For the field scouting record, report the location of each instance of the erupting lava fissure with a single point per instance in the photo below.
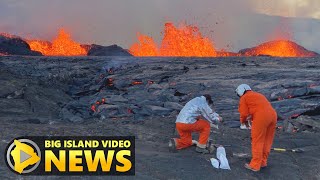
(63, 45)
(182, 41)
(185, 41)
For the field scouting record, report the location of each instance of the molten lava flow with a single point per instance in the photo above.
(93, 108)
(63, 45)
(137, 82)
(184, 41)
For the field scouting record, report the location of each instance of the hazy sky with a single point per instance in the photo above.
(289, 8)
(229, 23)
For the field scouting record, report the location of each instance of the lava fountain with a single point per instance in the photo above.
(62, 45)
(183, 41)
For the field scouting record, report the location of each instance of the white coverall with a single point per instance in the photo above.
(194, 108)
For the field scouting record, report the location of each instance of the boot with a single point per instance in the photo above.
(172, 145)
(202, 149)
(250, 168)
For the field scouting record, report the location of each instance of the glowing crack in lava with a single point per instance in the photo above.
(279, 48)
(185, 41)
(63, 45)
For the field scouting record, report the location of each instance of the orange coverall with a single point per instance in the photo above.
(185, 130)
(264, 120)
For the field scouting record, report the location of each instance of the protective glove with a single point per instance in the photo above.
(249, 118)
(244, 126)
(247, 124)
(214, 126)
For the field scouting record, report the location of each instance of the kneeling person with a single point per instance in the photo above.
(196, 116)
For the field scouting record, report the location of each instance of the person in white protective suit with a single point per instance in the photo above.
(196, 116)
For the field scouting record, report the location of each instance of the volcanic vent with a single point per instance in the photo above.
(279, 48)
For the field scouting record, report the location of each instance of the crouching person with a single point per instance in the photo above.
(196, 116)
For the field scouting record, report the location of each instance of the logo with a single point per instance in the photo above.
(72, 155)
(23, 156)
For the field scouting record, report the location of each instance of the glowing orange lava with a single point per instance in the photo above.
(145, 47)
(185, 41)
(279, 48)
(63, 45)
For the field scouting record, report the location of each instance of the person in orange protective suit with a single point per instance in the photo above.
(264, 119)
(196, 116)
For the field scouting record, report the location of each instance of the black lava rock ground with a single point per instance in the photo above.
(53, 95)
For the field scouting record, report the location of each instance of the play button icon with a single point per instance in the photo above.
(25, 154)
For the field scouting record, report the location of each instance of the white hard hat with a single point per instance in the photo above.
(241, 89)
